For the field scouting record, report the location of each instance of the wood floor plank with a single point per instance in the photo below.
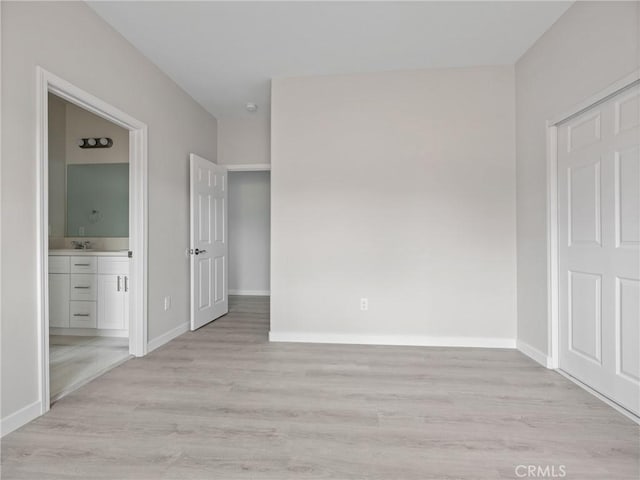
(224, 403)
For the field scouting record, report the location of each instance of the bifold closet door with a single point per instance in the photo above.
(599, 243)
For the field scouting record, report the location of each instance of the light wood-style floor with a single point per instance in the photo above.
(74, 360)
(223, 403)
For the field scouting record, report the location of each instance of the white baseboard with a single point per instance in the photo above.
(534, 354)
(17, 419)
(402, 340)
(256, 293)
(88, 332)
(167, 337)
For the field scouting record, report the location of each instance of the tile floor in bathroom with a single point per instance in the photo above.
(75, 360)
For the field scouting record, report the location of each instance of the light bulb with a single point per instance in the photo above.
(92, 142)
(104, 141)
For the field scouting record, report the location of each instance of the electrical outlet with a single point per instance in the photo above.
(364, 304)
(167, 303)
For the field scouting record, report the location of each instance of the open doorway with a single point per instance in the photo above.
(92, 236)
(249, 239)
(88, 245)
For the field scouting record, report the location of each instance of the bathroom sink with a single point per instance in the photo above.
(88, 251)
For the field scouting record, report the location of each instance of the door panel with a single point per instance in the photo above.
(219, 286)
(204, 274)
(627, 219)
(627, 111)
(208, 250)
(628, 312)
(598, 246)
(584, 204)
(584, 132)
(585, 323)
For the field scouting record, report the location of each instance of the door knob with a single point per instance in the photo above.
(198, 251)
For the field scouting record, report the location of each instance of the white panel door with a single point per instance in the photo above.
(208, 241)
(599, 247)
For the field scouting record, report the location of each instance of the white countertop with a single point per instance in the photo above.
(89, 253)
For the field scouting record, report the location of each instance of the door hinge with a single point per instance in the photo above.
(130, 254)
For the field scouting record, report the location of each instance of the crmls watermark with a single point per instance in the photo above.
(541, 471)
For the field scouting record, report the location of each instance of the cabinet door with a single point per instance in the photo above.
(113, 308)
(59, 300)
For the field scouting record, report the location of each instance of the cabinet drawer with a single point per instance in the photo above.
(83, 265)
(113, 266)
(82, 314)
(58, 264)
(83, 287)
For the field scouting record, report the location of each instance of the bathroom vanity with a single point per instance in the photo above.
(89, 292)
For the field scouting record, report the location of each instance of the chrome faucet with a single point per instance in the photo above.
(81, 245)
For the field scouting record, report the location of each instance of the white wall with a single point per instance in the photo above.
(83, 124)
(398, 187)
(244, 139)
(65, 39)
(67, 124)
(249, 233)
(57, 165)
(591, 46)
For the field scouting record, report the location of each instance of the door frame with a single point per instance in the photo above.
(248, 167)
(47, 82)
(553, 274)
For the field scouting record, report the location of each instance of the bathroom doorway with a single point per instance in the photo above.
(88, 182)
(92, 231)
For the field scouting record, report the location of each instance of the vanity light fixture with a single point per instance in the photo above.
(102, 142)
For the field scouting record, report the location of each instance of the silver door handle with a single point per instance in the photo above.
(82, 287)
(80, 314)
(126, 284)
(118, 283)
(198, 251)
(81, 264)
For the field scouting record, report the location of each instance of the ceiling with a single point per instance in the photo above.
(225, 53)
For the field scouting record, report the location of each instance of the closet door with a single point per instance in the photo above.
(599, 240)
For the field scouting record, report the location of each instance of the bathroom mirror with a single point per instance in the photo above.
(97, 200)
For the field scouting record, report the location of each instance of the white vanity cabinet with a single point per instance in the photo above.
(59, 292)
(113, 293)
(59, 300)
(89, 292)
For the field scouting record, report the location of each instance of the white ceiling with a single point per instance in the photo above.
(224, 53)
